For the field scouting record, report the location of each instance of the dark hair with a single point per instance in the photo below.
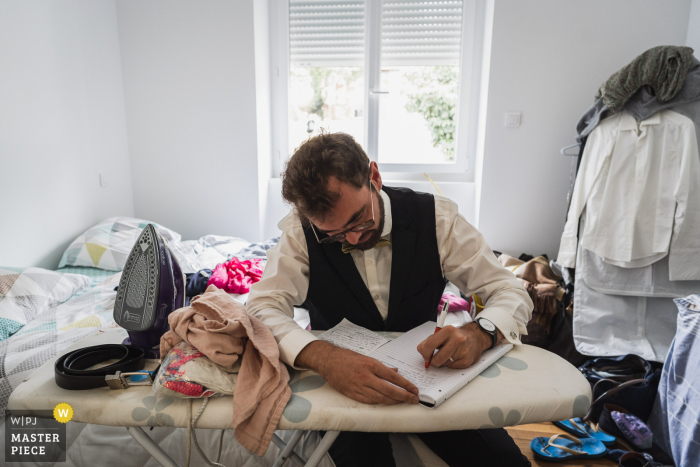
(305, 178)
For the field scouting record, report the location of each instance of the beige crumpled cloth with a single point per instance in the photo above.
(542, 286)
(220, 328)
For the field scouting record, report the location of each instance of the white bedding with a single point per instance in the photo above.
(210, 250)
(52, 331)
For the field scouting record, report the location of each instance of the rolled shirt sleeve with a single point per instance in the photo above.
(470, 264)
(284, 284)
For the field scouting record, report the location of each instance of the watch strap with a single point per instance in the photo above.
(493, 334)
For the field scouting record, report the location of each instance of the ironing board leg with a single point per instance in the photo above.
(288, 449)
(296, 458)
(322, 448)
(149, 445)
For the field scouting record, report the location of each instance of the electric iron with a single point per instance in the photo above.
(151, 287)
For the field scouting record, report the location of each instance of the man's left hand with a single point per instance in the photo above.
(464, 345)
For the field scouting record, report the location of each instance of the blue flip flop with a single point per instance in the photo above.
(581, 429)
(561, 447)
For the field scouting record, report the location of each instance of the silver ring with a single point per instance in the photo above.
(451, 360)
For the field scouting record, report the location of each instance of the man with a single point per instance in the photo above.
(380, 257)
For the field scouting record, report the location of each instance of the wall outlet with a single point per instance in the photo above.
(104, 180)
(512, 119)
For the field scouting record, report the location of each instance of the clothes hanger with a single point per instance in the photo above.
(564, 153)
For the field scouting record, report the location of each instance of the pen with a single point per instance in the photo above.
(440, 324)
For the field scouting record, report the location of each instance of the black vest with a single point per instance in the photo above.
(336, 289)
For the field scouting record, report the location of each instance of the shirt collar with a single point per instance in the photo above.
(387, 213)
(628, 122)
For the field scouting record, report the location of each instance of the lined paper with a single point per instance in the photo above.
(353, 337)
(402, 353)
(436, 384)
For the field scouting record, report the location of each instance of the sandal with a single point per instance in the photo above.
(569, 447)
(630, 432)
(581, 429)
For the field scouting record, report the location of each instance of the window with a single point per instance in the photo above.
(395, 74)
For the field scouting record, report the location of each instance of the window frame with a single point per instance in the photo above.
(471, 57)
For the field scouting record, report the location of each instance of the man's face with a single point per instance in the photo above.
(354, 208)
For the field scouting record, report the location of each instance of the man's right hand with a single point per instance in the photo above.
(361, 378)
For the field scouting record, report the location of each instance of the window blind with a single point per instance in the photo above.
(416, 32)
(326, 32)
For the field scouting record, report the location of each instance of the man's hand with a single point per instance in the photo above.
(361, 378)
(464, 344)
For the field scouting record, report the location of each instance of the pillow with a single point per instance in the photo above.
(108, 244)
(25, 294)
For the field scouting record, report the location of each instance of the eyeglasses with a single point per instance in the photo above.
(358, 228)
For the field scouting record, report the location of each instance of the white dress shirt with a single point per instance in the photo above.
(466, 260)
(640, 185)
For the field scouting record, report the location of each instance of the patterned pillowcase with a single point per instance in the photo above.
(108, 244)
(25, 294)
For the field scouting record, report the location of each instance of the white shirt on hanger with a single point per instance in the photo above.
(640, 184)
(466, 260)
(619, 311)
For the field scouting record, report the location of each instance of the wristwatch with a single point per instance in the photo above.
(489, 328)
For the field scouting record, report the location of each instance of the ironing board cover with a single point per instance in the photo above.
(528, 385)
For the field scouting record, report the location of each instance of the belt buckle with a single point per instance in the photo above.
(120, 380)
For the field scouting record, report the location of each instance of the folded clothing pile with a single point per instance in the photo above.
(219, 327)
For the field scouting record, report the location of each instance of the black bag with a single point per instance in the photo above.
(628, 381)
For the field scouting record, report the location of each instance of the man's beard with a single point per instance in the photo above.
(375, 234)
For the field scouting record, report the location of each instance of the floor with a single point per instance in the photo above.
(523, 434)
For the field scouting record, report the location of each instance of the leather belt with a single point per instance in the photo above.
(71, 369)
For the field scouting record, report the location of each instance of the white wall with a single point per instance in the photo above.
(61, 124)
(189, 84)
(693, 37)
(548, 59)
(261, 13)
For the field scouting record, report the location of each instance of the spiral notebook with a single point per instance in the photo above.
(435, 385)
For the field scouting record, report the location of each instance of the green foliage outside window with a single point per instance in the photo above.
(436, 100)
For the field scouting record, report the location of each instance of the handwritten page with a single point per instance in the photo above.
(352, 337)
(435, 384)
(402, 353)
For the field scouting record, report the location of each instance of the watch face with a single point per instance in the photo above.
(487, 325)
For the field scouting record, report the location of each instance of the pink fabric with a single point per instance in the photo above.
(456, 303)
(220, 328)
(236, 276)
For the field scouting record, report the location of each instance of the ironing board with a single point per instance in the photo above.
(527, 385)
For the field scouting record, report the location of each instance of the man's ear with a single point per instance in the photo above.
(375, 175)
